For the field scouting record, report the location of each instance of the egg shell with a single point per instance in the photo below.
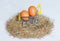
(24, 15)
(32, 11)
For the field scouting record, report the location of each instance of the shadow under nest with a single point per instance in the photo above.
(34, 28)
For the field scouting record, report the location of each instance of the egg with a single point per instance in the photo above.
(32, 11)
(24, 15)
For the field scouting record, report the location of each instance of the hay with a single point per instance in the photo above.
(40, 27)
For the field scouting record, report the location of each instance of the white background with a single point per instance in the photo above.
(9, 8)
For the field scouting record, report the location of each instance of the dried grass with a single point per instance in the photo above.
(30, 30)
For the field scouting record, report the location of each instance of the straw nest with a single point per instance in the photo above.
(34, 28)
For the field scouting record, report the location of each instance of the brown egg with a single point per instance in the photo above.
(24, 15)
(32, 11)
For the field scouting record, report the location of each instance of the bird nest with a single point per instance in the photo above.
(36, 27)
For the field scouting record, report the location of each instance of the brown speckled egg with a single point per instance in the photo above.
(32, 11)
(24, 15)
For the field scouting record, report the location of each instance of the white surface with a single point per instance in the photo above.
(9, 8)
